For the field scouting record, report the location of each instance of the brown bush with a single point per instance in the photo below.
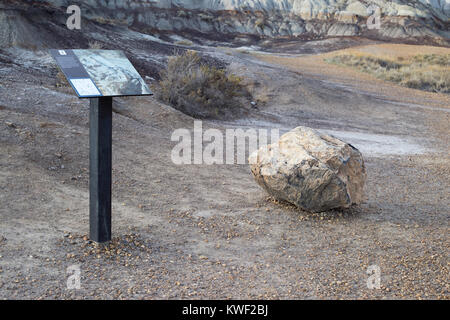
(200, 90)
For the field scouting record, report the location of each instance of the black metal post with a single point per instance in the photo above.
(100, 147)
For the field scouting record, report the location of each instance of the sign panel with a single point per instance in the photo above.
(100, 73)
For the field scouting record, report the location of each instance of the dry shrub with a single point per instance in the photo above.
(200, 90)
(425, 72)
(62, 85)
(61, 80)
(93, 44)
(260, 23)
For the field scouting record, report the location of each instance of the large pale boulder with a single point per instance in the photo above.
(314, 171)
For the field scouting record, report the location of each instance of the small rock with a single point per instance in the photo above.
(10, 124)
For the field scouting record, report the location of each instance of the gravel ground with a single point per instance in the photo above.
(209, 232)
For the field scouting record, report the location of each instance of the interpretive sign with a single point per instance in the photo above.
(100, 75)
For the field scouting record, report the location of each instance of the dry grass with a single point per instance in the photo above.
(110, 21)
(430, 72)
(50, 125)
(184, 43)
(199, 90)
(316, 67)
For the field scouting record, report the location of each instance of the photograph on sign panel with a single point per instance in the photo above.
(112, 72)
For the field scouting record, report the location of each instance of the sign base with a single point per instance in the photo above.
(100, 168)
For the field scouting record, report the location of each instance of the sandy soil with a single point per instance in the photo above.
(198, 231)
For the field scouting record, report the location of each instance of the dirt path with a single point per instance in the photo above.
(198, 231)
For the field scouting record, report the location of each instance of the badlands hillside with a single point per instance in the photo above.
(241, 21)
